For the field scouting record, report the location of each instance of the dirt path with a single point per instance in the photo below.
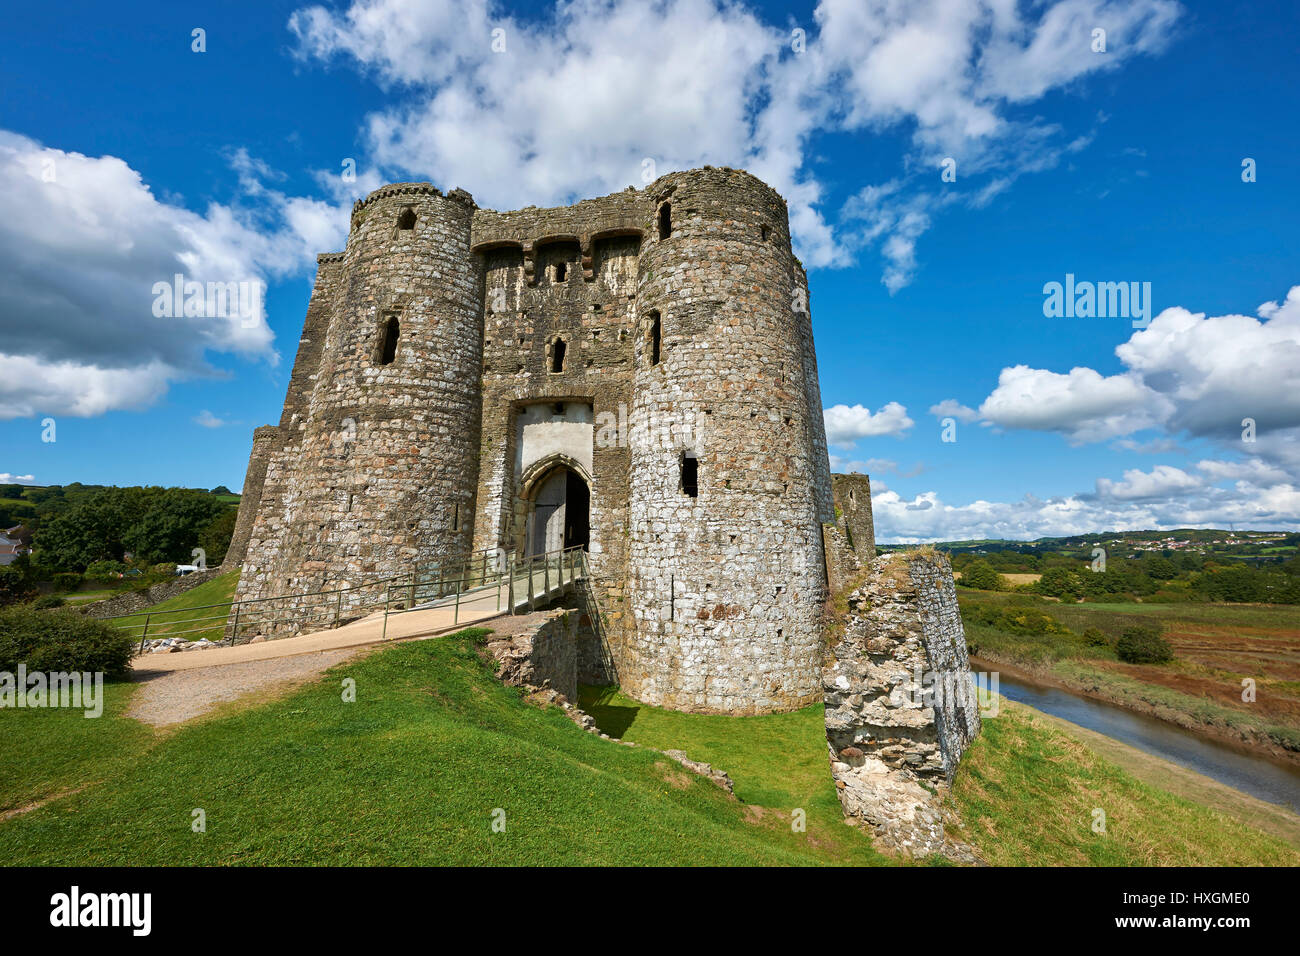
(1172, 778)
(170, 697)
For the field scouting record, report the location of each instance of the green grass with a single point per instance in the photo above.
(777, 761)
(185, 614)
(54, 750)
(412, 772)
(409, 774)
(1028, 793)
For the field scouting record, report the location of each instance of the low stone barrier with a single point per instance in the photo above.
(133, 601)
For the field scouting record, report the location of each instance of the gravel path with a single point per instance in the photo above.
(170, 697)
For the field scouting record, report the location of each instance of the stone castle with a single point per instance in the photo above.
(633, 374)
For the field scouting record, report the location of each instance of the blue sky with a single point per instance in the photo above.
(129, 156)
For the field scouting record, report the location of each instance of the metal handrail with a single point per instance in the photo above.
(409, 582)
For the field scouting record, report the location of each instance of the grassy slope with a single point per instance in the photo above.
(183, 617)
(1027, 791)
(51, 751)
(776, 761)
(411, 772)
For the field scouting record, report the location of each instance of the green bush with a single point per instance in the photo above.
(47, 602)
(106, 570)
(1143, 645)
(15, 585)
(67, 581)
(1094, 637)
(981, 575)
(62, 641)
(1014, 619)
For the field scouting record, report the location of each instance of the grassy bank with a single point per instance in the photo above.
(188, 614)
(414, 771)
(409, 774)
(1028, 792)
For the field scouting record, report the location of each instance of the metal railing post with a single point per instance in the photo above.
(234, 629)
(388, 593)
(532, 591)
(144, 632)
(510, 585)
(338, 608)
(455, 614)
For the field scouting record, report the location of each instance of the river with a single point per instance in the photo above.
(1257, 776)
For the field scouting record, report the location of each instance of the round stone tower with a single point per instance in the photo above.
(725, 564)
(391, 441)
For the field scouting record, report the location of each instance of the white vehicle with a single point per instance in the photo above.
(182, 569)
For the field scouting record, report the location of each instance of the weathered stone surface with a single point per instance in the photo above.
(894, 744)
(543, 655)
(528, 347)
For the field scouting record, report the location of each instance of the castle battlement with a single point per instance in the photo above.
(634, 374)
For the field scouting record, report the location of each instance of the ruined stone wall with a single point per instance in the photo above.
(852, 495)
(539, 651)
(384, 476)
(894, 743)
(726, 586)
(903, 621)
(266, 442)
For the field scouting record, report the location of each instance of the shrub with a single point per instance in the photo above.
(1143, 645)
(980, 574)
(62, 641)
(1094, 637)
(106, 570)
(1015, 619)
(67, 581)
(47, 602)
(14, 585)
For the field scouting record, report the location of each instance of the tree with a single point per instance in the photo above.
(170, 529)
(11, 491)
(215, 538)
(221, 490)
(1143, 645)
(980, 574)
(1060, 582)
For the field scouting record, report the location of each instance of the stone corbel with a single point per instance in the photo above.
(530, 264)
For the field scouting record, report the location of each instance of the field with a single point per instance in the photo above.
(1217, 647)
(435, 750)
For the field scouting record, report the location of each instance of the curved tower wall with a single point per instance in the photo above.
(388, 456)
(726, 587)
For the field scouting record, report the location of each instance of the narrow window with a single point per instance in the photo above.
(557, 408)
(561, 269)
(665, 220)
(455, 517)
(406, 218)
(557, 355)
(388, 344)
(690, 475)
(765, 232)
(653, 335)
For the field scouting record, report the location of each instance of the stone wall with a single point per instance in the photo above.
(133, 601)
(853, 508)
(266, 442)
(539, 653)
(726, 583)
(711, 600)
(887, 731)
